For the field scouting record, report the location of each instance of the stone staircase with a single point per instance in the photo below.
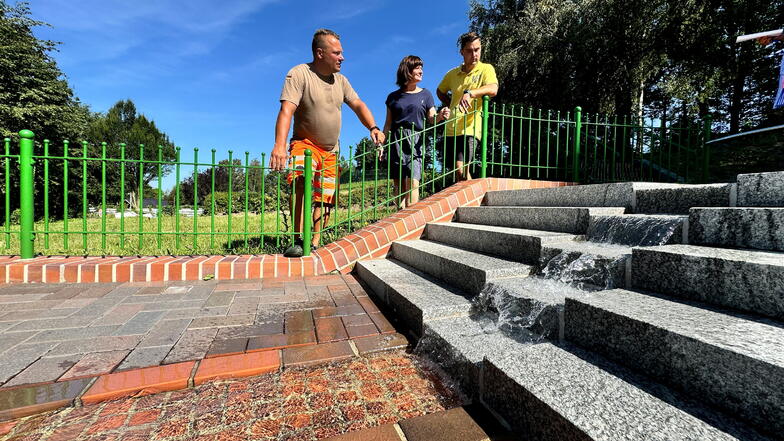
(629, 311)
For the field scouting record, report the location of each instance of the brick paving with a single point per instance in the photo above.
(56, 332)
(301, 404)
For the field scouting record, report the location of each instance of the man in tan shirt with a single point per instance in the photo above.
(313, 94)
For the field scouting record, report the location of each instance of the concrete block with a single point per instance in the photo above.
(678, 200)
(511, 243)
(758, 228)
(463, 269)
(411, 296)
(560, 393)
(747, 280)
(573, 220)
(730, 361)
(595, 195)
(459, 345)
(761, 189)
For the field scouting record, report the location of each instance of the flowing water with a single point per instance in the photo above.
(586, 271)
(635, 230)
(530, 309)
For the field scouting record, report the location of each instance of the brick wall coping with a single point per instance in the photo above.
(371, 242)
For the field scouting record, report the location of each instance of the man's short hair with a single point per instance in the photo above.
(407, 65)
(318, 39)
(467, 38)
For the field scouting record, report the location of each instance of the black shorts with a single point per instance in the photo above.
(458, 148)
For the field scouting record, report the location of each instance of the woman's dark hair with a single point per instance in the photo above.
(407, 66)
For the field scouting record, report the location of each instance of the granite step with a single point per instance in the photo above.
(761, 189)
(731, 361)
(457, 267)
(594, 195)
(679, 199)
(546, 392)
(757, 228)
(572, 220)
(586, 264)
(411, 296)
(515, 244)
(459, 345)
(638, 229)
(747, 280)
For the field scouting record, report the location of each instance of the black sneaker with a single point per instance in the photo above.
(294, 250)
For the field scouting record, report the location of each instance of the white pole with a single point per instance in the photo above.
(776, 33)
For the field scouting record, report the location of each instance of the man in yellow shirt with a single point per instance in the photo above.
(466, 84)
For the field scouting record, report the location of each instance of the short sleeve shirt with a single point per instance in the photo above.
(318, 101)
(457, 81)
(409, 109)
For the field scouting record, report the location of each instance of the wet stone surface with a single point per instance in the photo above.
(296, 404)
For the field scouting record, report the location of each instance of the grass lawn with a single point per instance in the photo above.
(267, 233)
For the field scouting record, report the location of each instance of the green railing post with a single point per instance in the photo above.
(307, 209)
(578, 125)
(706, 148)
(27, 237)
(485, 112)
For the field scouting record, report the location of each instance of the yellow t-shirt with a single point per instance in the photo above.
(458, 81)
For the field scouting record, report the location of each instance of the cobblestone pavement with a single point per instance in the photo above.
(57, 332)
(297, 404)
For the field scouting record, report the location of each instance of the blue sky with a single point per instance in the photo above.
(210, 73)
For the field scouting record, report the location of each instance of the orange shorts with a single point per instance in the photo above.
(325, 169)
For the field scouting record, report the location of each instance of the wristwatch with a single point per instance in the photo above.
(374, 128)
(468, 92)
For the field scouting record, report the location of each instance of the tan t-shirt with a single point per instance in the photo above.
(318, 101)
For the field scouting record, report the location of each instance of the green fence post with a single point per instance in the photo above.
(26, 246)
(485, 111)
(307, 209)
(706, 148)
(578, 125)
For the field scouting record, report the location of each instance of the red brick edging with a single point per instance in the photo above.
(372, 241)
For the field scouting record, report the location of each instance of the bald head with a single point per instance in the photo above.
(321, 38)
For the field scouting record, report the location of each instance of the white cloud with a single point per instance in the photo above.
(259, 63)
(346, 9)
(113, 28)
(449, 28)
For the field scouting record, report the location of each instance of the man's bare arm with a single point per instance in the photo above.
(442, 96)
(366, 118)
(282, 125)
(490, 90)
(487, 90)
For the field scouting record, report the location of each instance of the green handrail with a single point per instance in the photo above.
(520, 142)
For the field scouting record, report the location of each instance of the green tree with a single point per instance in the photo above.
(34, 95)
(123, 125)
(663, 59)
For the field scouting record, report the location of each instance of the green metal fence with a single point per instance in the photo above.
(88, 199)
(590, 148)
